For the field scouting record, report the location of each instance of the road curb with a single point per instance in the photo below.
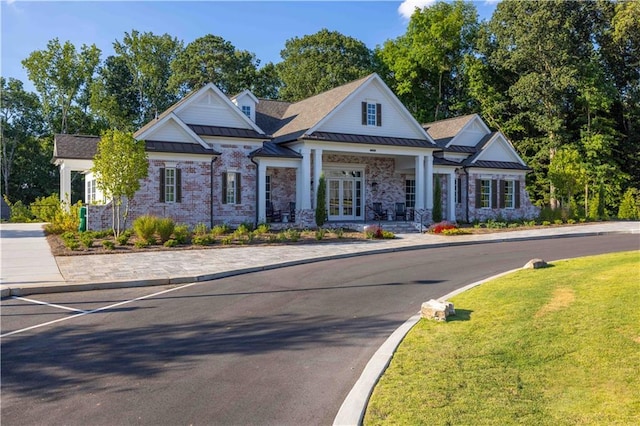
(8, 290)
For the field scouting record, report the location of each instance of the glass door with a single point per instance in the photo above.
(344, 195)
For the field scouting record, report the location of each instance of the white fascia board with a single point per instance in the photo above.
(174, 156)
(226, 100)
(246, 92)
(74, 164)
(495, 139)
(223, 140)
(173, 117)
(390, 95)
(475, 119)
(293, 163)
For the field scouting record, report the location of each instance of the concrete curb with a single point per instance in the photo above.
(24, 290)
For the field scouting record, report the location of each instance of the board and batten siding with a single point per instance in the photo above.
(170, 132)
(471, 135)
(210, 110)
(348, 118)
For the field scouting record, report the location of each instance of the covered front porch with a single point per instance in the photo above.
(364, 184)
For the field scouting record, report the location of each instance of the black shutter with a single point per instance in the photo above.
(516, 193)
(502, 194)
(224, 188)
(178, 186)
(378, 114)
(364, 113)
(459, 194)
(238, 189)
(478, 193)
(162, 185)
(494, 193)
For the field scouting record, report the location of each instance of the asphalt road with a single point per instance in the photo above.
(280, 347)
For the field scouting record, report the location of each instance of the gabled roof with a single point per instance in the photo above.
(448, 128)
(305, 114)
(269, 114)
(75, 147)
(484, 143)
(245, 92)
(270, 149)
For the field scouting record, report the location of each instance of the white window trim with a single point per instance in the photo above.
(513, 194)
(482, 180)
(169, 188)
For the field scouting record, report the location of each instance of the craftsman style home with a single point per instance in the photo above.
(215, 159)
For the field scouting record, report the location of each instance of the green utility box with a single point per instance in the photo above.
(83, 219)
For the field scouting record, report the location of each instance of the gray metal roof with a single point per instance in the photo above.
(367, 139)
(497, 165)
(270, 149)
(232, 132)
(178, 148)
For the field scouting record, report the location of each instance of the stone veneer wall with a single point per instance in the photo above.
(283, 187)
(235, 158)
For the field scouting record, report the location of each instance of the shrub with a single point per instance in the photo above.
(436, 213)
(200, 229)
(19, 212)
(170, 243)
(141, 244)
(226, 240)
(220, 230)
(202, 239)
(45, 209)
(546, 223)
(72, 244)
(145, 226)
(86, 239)
(122, 239)
(455, 231)
(320, 233)
(247, 225)
(558, 222)
(292, 234)
(339, 232)
(108, 244)
(181, 234)
(65, 220)
(571, 221)
(387, 235)
(242, 229)
(262, 229)
(630, 205)
(164, 228)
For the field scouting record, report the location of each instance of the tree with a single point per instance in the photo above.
(113, 95)
(25, 161)
(567, 174)
(148, 58)
(119, 164)
(321, 202)
(437, 200)
(321, 61)
(60, 74)
(267, 83)
(426, 63)
(212, 59)
(630, 205)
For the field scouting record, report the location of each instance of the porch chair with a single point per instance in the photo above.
(273, 215)
(378, 214)
(401, 211)
(292, 211)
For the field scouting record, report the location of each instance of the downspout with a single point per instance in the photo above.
(213, 159)
(257, 189)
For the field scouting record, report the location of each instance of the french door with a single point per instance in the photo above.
(344, 195)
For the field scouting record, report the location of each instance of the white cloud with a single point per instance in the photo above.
(407, 7)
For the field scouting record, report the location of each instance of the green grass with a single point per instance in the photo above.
(553, 346)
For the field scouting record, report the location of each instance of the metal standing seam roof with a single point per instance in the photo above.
(178, 148)
(232, 132)
(497, 165)
(270, 149)
(367, 139)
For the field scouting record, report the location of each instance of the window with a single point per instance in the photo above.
(485, 193)
(91, 191)
(246, 110)
(458, 190)
(371, 114)
(410, 192)
(267, 184)
(508, 191)
(510, 194)
(170, 185)
(231, 188)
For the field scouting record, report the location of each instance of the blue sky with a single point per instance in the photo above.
(261, 27)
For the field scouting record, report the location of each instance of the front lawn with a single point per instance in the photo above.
(553, 346)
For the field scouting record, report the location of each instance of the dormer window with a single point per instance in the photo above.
(371, 114)
(246, 110)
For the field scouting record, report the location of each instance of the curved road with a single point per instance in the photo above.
(281, 347)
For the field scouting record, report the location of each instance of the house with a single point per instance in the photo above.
(215, 159)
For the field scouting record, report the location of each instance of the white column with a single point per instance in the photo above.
(65, 185)
(317, 171)
(429, 179)
(420, 184)
(305, 181)
(262, 192)
(451, 199)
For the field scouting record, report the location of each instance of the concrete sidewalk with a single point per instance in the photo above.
(29, 268)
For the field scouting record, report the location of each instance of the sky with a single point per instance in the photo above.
(261, 27)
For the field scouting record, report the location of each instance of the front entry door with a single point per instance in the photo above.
(344, 197)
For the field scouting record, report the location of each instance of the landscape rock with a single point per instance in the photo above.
(437, 310)
(536, 264)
